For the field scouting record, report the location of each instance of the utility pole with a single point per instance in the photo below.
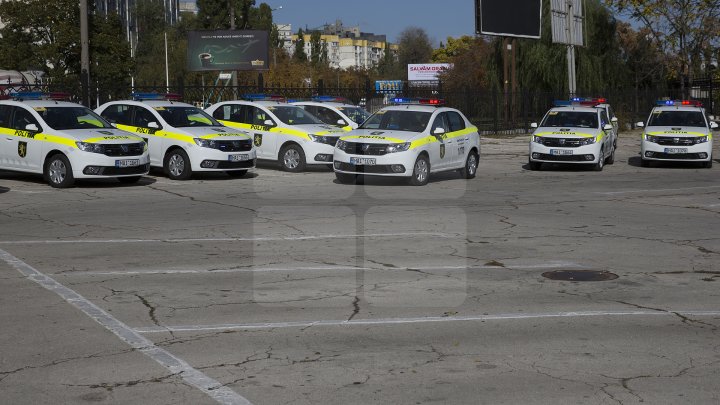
(232, 27)
(572, 81)
(84, 54)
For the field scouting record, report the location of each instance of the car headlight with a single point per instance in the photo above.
(701, 139)
(397, 147)
(328, 140)
(341, 145)
(90, 147)
(651, 138)
(587, 141)
(537, 139)
(206, 143)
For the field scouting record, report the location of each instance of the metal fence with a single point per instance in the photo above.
(490, 111)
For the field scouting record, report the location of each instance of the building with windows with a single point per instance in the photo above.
(347, 47)
(126, 10)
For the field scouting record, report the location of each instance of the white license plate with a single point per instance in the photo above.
(363, 161)
(676, 150)
(561, 152)
(238, 158)
(127, 163)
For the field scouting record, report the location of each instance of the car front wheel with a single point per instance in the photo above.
(421, 171)
(58, 171)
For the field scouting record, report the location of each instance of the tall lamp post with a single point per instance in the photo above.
(711, 71)
(283, 40)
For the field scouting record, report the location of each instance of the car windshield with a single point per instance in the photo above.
(184, 116)
(357, 114)
(398, 120)
(573, 119)
(677, 119)
(293, 115)
(71, 118)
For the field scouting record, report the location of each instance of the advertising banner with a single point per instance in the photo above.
(427, 72)
(227, 50)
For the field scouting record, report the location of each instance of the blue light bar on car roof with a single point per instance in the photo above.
(156, 96)
(418, 101)
(38, 95)
(694, 103)
(328, 99)
(562, 103)
(263, 97)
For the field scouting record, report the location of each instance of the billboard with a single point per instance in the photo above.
(426, 71)
(518, 18)
(388, 86)
(227, 50)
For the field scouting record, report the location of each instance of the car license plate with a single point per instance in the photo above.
(676, 150)
(362, 161)
(127, 163)
(561, 152)
(238, 158)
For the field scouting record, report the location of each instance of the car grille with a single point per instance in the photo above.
(562, 158)
(561, 142)
(124, 149)
(234, 146)
(374, 169)
(669, 140)
(371, 149)
(118, 171)
(678, 156)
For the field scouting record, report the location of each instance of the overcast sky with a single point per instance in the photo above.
(439, 18)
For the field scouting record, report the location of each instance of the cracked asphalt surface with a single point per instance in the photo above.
(291, 288)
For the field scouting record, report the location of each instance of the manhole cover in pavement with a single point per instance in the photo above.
(580, 275)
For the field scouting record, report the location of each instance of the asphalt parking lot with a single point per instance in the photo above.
(291, 288)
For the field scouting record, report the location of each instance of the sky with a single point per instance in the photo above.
(439, 18)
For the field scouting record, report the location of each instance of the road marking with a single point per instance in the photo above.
(554, 265)
(175, 365)
(248, 239)
(395, 321)
(656, 190)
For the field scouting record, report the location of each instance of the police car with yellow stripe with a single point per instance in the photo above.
(182, 138)
(66, 141)
(412, 139)
(336, 111)
(281, 131)
(575, 132)
(677, 130)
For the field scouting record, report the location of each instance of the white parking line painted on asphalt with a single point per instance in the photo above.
(248, 239)
(654, 190)
(396, 321)
(554, 265)
(175, 365)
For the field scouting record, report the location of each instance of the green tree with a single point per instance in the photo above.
(389, 68)
(299, 54)
(261, 17)
(49, 31)
(212, 14)
(685, 31)
(454, 47)
(318, 49)
(111, 64)
(414, 46)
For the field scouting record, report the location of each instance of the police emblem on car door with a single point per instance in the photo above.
(258, 140)
(22, 149)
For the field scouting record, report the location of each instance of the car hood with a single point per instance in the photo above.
(570, 132)
(227, 133)
(380, 136)
(319, 129)
(102, 135)
(677, 131)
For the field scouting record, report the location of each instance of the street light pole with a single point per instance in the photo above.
(84, 54)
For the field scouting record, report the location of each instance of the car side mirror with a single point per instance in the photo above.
(640, 124)
(438, 131)
(341, 122)
(608, 127)
(32, 128)
(153, 124)
(533, 125)
(269, 123)
(614, 119)
(714, 125)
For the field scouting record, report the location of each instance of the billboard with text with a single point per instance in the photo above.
(228, 50)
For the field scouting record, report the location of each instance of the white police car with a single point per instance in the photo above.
(413, 139)
(677, 130)
(281, 131)
(335, 111)
(182, 138)
(602, 102)
(573, 132)
(66, 141)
